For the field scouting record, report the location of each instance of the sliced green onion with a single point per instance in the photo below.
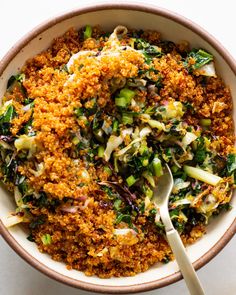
(121, 102)
(157, 167)
(131, 180)
(75, 140)
(107, 170)
(143, 149)
(46, 239)
(117, 204)
(115, 126)
(145, 162)
(127, 94)
(205, 122)
(202, 175)
(101, 151)
(174, 168)
(148, 192)
(88, 32)
(127, 119)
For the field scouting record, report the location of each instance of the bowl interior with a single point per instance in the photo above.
(108, 19)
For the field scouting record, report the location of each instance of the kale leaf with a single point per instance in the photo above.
(200, 57)
(231, 163)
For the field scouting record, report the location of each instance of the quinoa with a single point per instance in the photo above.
(78, 203)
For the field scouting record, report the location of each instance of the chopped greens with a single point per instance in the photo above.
(46, 239)
(231, 163)
(197, 58)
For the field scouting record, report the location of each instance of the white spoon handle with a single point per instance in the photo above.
(185, 265)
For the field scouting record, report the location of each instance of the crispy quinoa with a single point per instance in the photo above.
(85, 129)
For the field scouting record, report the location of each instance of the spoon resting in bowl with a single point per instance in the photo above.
(161, 198)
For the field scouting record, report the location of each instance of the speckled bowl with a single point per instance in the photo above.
(173, 27)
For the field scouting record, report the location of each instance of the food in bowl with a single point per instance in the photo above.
(85, 129)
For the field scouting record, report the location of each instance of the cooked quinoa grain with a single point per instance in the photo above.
(85, 129)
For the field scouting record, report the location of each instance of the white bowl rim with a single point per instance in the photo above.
(3, 230)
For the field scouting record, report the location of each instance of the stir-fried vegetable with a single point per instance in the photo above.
(197, 58)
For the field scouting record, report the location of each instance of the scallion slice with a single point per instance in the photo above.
(127, 119)
(115, 126)
(46, 239)
(88, 32)
(127, 94)
(131, 180)
(157, 167)
(121, 102)
(108, 170)
(101, 151)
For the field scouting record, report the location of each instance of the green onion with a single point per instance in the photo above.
(127, 94)
(145, 162)
(174, 168)
(143, 149)
(117, 204)
(121, 102)
(101, 151)
(115, 126)
(127, 119)
(131, 180)
(157, 167)
(202, 175)
(46, 239)
(148, 192)
(107, 170)
(205, 122)
(75, 140)
(87, 32)
(124, 98)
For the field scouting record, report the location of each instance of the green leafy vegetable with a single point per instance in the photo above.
(37, 222)
(149, 51)
(123, 218)
(20, 78)
(200, 153)
(5, 120)
(231, 163)
(200, 57)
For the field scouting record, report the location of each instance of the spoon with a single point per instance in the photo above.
(161, 198)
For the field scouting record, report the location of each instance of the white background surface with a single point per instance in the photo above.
(17, 18)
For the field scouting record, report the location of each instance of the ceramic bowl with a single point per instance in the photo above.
(173, 27)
